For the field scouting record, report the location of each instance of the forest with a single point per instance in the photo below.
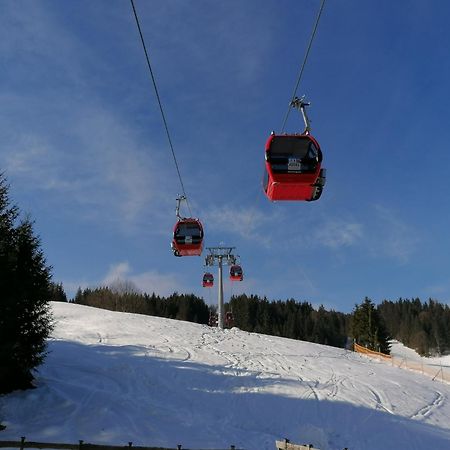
(423, 326)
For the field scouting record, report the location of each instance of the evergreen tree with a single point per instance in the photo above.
(425, 327)
(57, 293)
(368, 328)
(321, 327)
(25, 319)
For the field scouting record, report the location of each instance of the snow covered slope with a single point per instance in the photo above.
(114, 377)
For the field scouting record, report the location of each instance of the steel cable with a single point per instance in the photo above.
(160, 105)
(304, 63)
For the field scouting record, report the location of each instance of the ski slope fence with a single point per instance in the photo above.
(360, 349)
(23, 444)
(434, 370)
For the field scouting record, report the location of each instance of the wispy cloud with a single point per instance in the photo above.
(380, 232)
(391, 236)
(122, 273)
(149, 282)
(97, 164)
(440, 290)
(64, 133)
(248, 223)
(30, 155)
(41, 51)
(239, 54)
(116, 272)
(339, 233)
(121, 166)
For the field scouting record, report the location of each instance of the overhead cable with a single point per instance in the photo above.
(160, 104)
(305, 59)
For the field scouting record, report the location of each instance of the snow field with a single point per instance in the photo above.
(115, 377)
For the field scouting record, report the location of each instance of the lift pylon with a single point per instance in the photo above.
(219, 256)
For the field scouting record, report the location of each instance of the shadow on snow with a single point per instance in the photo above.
(116, 394)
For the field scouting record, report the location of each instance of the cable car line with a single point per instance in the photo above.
(160, 105)
(294, 94)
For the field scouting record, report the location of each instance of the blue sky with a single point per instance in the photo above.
(86, 155)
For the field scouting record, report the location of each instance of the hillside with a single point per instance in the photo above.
(115, 377)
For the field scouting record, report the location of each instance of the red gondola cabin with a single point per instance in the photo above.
(208, 280)
(236, 273)
(187, 237)
(293, 168)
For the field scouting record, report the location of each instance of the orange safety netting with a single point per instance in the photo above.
(435, 371)
(366, 351)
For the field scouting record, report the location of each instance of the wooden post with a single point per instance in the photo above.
(22, 442)
(439, 371)
(80, 444)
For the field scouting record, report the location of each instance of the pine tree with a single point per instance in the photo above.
(25, 320)
(368, 328)
(320, 333)
(57, 293)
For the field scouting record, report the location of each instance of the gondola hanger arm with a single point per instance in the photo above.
(177, 209)
(300, 104)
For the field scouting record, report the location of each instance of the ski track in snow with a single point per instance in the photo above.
(429, 409)
(116, 377)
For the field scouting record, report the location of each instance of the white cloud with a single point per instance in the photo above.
(392, 236)
(248, 223)
(44, 52)
(149, 282)
(116, 272)
(123, 174)
(161, 284)
(381, 233)
(94, 166)
(63, 130)
(240, 54)
(339, 233)
(32, 155)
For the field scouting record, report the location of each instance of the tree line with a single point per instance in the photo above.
(291, 319)
(186, 307)
(423, 326)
